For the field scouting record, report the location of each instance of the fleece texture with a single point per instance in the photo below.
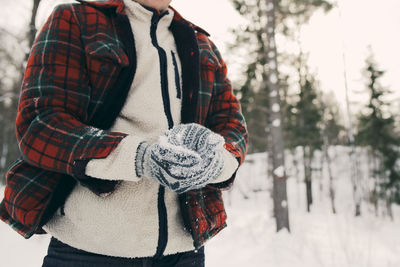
(125, 224)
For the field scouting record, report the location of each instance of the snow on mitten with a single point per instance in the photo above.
(213, 166)
(174, 167)
(195, 137)
(206, 143)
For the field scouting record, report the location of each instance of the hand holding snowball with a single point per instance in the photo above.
(186, 157)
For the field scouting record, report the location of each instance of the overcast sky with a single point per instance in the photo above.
(363, 23)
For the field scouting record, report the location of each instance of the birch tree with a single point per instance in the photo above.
(276, 146)
(333, 134)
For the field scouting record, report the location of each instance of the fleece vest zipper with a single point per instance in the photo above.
(162, 210)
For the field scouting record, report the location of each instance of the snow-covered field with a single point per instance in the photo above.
(317, 239)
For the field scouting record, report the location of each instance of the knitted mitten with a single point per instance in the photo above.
(206, 143)
(195, 137)
(177, 168)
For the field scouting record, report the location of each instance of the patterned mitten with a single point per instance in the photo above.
(206, 143)
(213, 165)
(175, 167)
(195, 137)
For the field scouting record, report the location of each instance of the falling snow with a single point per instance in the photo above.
(280, 171)
(273, 93)
(270, 6)
(271, 54)
(272, 45)
(276, 123)
(276, 107)
(318, 238)
(273, 78)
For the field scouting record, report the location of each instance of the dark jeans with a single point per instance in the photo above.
(62, 255)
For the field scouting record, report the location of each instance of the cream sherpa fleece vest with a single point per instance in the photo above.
(126, 223)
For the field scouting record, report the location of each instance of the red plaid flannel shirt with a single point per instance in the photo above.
(74, 62)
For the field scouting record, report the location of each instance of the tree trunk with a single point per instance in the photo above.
(377, 181)
(389, 205)
(356, 182)
(307, 176)
(276, 148)
(297, 174)
(372, 191)
(355, 175)
(328, 165)
(320, 178)
(32, 26)
(350, 134)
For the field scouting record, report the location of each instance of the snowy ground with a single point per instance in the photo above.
(318, 239)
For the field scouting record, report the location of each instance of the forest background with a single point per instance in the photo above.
(319, 87)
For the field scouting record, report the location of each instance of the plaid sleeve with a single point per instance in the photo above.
(54, 99)
(225, 116)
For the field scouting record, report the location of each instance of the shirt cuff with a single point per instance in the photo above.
(119, 164)
(230, 166)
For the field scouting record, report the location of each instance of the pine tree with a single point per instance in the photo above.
(304, 129)
(262, 78)
(251, 43)
(376, 130)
